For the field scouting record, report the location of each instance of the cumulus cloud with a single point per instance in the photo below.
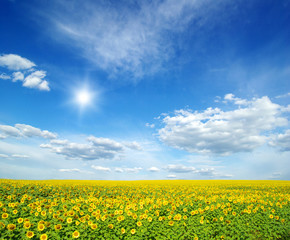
(281, 141)
(102, 169)
(19, 156)
(128, 170)
(24, 130)
(179, 168)
(209, 172)
(30, 131)
(214, 131)
(153, 169)
(150, 125)
(106, 143)
(276, 175)
(4, 76)
(17, 76)
(3, 155)
(70, 170)
(119, 170)
(133, 145)
(9, 131)
(15, 62)
(35, 78)
(171, 176)
(95, 148)
(127, 36)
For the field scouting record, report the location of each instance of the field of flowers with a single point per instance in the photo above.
(144, 209)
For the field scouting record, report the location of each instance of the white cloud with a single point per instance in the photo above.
(208, 172)
(121, 37)
(17, 76)
(15, 62)
(153, 169)
(119, 170)
(214, 131)
(276, 175)
(128, 170)
(96, 148)
(99, 168)
(29, 131)
(4, 76)
(238, 101)
(9, 131)
(35, 80)
(106, 144)
(19, 156)
(3, 155)
(281, 141)
(59, 142)
(150, 125)
(171, 176)
(70, 170)
(23, 130)
(179, 168)
(284, 95)
(132, 170)
(133, 145)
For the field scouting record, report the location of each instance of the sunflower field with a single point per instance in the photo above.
(173, 209)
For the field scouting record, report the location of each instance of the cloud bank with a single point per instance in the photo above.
(214, 131)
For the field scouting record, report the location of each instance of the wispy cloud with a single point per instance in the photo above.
(135, 37)
(214, 131)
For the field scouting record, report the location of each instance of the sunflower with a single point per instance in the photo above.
(111, 226)
(20, 220)
(5, 215)
(94, 226)
(171, 223)
(40, 227)
(43, 237)
(57, 227)
(133, 231)
(69, 220)
(76, 234)
(30, 234)
(11, 227)
(139, 224)
(123, 230)
(27, 225)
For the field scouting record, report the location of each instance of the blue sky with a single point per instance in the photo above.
(129, 90)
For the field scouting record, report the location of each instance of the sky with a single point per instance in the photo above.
(136, 90)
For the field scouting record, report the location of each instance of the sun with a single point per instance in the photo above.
(83, 97)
